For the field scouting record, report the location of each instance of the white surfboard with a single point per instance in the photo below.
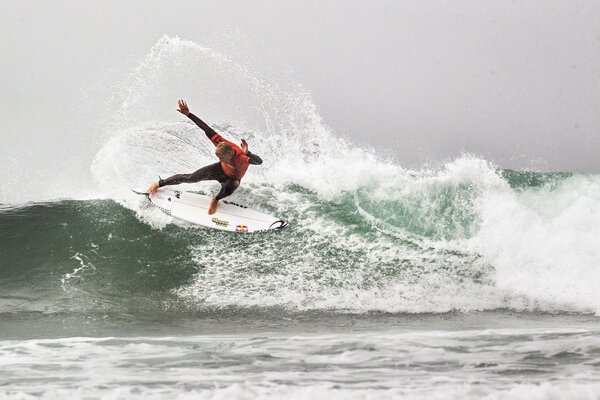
(232, 217)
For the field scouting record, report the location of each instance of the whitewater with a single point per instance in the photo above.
(454, 280)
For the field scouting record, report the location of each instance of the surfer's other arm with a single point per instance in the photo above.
(254, 158)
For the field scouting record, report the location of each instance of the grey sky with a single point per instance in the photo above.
(515, 82)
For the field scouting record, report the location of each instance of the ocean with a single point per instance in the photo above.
(455, 280)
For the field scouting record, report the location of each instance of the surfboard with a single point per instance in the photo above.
(193, 208)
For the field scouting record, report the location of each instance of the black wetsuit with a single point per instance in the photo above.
(212, 172)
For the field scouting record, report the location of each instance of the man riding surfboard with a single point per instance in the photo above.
(231, 168)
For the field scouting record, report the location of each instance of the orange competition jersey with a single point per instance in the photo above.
(237, 168)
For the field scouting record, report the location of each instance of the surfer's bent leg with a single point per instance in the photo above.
(227, 187)
(212, 172)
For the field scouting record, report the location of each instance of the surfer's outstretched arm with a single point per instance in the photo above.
(213, 136)
(183, 108)
(210, 132)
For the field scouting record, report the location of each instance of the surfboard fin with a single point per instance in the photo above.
(282, 224)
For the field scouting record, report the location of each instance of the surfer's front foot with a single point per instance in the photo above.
(153, 187)
(213, 205)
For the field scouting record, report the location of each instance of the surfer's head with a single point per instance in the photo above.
(225, 152)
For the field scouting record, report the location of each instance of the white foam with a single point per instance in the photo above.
(472, 364)
(543, 242)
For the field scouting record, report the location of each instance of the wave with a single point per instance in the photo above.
(438, 243)
(366, 235)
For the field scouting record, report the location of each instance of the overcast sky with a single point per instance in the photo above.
(514, 82)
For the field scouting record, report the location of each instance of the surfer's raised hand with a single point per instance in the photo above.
(244, 146)
(183, 108)
(153, 187)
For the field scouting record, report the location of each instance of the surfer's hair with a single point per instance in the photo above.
(223, 149)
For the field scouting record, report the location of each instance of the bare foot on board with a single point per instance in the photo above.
(213, 206)
(153, 187)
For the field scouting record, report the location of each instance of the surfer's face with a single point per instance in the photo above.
(227, 157)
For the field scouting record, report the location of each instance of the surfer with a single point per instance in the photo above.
(231, 168)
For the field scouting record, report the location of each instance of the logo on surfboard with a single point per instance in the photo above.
(241, 228)
(220, 222)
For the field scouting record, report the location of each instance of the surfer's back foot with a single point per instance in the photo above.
(213, 205)
(153, 187)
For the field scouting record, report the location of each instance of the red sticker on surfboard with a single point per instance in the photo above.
(241, 228)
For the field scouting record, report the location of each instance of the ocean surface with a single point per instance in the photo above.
(455, 280)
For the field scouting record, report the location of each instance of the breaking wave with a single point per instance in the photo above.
(365, 235)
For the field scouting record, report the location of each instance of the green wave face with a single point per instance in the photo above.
(430, 247)
(88, 255)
